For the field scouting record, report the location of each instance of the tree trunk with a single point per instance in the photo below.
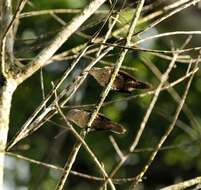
(7, 85)
(6, 93)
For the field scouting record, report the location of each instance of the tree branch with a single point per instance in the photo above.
(43, 57)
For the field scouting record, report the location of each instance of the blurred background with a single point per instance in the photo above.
(178, 161)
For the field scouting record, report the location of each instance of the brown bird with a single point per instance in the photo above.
(81, 119)
(124, 82)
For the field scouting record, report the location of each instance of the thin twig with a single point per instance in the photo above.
(71, 159)
(116, 147)
(167, 133)
(32, 125)
(42, 86)
(166, 34)
(95, 178)
(175, 96)
(146, 117)
(151, 16)
(184, 184)
(61, 37)
(117, 66)
(182, 7)
(80, 141)
(151, 50)
(69, 92)
(118, 63)
(78, 144)
(172, 84)
(57, 11)
(6, 32)
(163, 79)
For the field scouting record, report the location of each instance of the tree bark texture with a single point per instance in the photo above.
(6, 93)
(7, 83)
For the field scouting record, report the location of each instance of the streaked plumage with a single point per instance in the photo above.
(81, 119)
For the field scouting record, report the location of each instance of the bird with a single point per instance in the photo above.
(100, 123)
(124, 82)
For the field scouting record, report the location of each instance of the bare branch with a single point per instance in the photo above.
(56, 43)
(184, 184)
(167, 133)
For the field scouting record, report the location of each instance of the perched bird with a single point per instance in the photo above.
(124, 82)
(81, 119)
